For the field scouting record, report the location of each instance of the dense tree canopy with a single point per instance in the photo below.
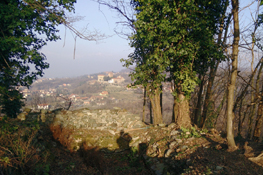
(175, 38)
(25, 27)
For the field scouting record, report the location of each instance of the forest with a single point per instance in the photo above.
(210, 58)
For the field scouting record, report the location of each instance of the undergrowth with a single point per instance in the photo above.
(20, 151)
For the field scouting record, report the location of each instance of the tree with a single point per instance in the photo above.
(231, 86)
(25, 27)
(174, 37)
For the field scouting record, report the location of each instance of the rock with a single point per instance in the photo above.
(168, 152)
(172, 126)
(174, 132)
(27, 110)
(219, 168)
(111, 131)
(138, 124)
(54, 144)
(178, 140)
(173, 145)
(187, 133)
(22, 116)
(162, 125)
(114, 125)
(184, 147)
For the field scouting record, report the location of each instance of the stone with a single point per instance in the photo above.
(162, 125)
(179, 140)
(187, 133)
(173, 145)
(27, 110)
(22, 116)
(183, 147)
(219, 168)
(111, 131)
(172, 126)
(138, 124)
(114, 125)
(174, 132)
(168, 152)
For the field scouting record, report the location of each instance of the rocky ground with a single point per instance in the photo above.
(168, 151)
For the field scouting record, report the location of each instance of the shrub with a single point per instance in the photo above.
(19, 150)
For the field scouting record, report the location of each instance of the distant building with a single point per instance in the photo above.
(86, 102)
(110, 74)
(117, 80)
(104, 93)
(101, 77)
(43, 106)
(101, 103)
(92, 81)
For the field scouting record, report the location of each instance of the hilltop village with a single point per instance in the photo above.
(105, 90)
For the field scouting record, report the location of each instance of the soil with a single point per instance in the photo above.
(205, 155)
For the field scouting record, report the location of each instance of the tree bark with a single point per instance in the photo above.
(157, 111)
(259, 118)
(151, 113)
(182, 119)
(213, 69)
(259, 122)
(198, 109)
(144, 104)
(181, 109)
(233, 76)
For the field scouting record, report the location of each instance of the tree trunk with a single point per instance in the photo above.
(259, 122)
(259, 119)
(151, 113)
(213, 68)
(198, 108)
(181, 111)
(157, 111)
(233, 76)
(144, 104)
(161, 99)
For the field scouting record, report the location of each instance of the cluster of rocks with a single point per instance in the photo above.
(98, 119)
(118, 130)
(115, 119)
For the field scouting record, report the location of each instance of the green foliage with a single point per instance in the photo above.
(25, 27)
(133, 156)
(42, 169)
(191, 132)
(10, 98)
(19, 146)
(174, 37)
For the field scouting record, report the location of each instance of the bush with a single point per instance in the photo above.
(20, 151)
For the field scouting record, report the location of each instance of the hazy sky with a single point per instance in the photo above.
(92, 57)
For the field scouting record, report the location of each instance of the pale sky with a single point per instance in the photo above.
(94, 57)
(91, 57)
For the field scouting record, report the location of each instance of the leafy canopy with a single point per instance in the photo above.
(174, 37)
(25, 27)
